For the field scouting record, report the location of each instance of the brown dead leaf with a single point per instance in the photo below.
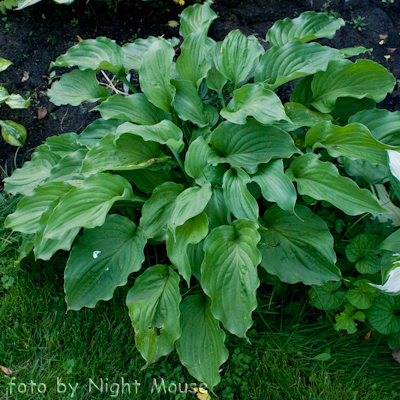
(42, 111)
(6, 370)
(396, 355)
(368, 335)
(25, 76)
(391, 49)
(384, 36)
(79, 38)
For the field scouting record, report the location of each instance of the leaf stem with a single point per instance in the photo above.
(186, 131)
(221, 99)
(127, 83)
(178, 158)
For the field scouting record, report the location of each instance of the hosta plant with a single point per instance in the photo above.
(205, 162)
(12, 132)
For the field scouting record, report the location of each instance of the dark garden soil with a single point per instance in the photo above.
(32, 38)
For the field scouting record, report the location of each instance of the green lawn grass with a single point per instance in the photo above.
(40, 343)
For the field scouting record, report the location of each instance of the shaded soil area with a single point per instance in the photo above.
(32, 38)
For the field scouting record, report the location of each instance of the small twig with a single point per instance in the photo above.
(62, 120)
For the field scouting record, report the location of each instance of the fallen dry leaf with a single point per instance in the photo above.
(173, 24)
(79, 38)
(384, 36)
(391, 49)
(6, 370)
(25, 76)
(42, 111)
(396, 355)
(368, 335)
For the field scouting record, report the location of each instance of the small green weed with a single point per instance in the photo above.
(359, 23)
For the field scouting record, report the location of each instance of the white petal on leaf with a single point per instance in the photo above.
(394, 163)
(392, 285)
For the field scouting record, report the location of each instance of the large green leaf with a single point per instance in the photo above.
(353, 141)
(76, 87)
(327, 297)
(196, 159)
(64, 144)
(33, 173)
(192, 64)
(365, 251)
(13, 133)
(383, 314)
(188, 104)
(254, 101)
(192, 18)
(165, 132)
(298, 250)
(392, 242)
(157, 211)
(191, 232)
(293, 60)
(127, 152)
(45, 248)
(345, 107)
(133, 52)
(237, 197)
(229, 274)
(93, 54)
(372, 173)
(29, 210)
(201, 347)
(69, 169)
(249, 145)
(321, 181)
(153, 305)
(384, 125)
(237, 56)
(97, 130)
(102, 260)
(308, 26)
(155, 74)
(362, 295)
(275, 185)
(302, 92)
(147, 180)
(88, 204)
(190, 203)
(134, 108)
(343, 78)
(301, 116)
(216, 210)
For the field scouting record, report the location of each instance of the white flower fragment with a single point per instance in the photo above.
(394, 163)
(392, 285)
(96, 253)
